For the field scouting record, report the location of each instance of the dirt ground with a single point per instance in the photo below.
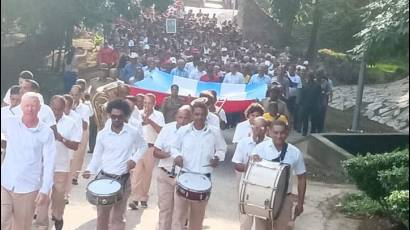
(222, 211)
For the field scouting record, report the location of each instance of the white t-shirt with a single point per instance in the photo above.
(234, 78)
(164, 141)
(294, 157)
(69, 130)
(244, 150)
(150, 135)
(242, 130)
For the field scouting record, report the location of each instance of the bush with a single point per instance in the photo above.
(358, 204)
(395, 179)
(398, 204)
(364, 171)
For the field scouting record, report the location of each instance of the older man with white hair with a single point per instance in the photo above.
(28, 168)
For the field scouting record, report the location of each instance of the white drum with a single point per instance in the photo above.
(104, 192)
(263, 189)
(193, 186)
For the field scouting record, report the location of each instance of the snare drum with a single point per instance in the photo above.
(193, 186)
(263, 189)
(104, 192)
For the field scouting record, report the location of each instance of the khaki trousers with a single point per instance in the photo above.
(57, 202)
(196, 213)
(76, 164)
(166, 190)
(78, 158)
(17, 210)
(284, 220)
(113, 217)
(142, 175)
(246, 222)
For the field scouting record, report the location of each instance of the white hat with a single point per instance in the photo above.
(224, 49)
(173, 60)
(306, 63)
(133, 55)
(146, 47)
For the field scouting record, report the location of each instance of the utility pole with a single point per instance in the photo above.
(359, 95)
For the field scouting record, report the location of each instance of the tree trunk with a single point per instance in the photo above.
(312, 49)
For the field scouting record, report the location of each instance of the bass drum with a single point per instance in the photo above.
(263, 189)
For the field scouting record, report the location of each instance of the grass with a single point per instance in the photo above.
(390, 66)
(358, 204)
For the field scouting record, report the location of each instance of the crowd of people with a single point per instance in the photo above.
(207, 50)
(138, 132)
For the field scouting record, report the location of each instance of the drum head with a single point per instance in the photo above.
(194, 182)
(104, 186)
(282, 184)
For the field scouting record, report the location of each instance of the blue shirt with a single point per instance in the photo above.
(180, 73)
(257, 79)
(130, 70)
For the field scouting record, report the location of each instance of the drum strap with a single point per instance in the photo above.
(282, 154)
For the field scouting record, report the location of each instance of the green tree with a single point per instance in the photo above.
(386, 30)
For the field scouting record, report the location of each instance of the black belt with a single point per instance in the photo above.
(150, 145)
(163, 169)
(116, 177)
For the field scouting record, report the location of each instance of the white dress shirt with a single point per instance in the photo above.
(149, 132)
(164, 141)
(79, 123)
(198, 147)
(113, 150)
(29, 163)
(234, 78)
(244, 150)
(196, 74)
(69, 130)
(213, 120)
(267, 151)
(6, 111)
(242, 130)
(45, 114)
(84, 111)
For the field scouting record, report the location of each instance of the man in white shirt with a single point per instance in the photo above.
(117, 150)
(280, 151)
(14, 100)
(28, 167)
(24, 75)
(196, 145)
(198, 72)
(166, 172)
(68, 138)
(244, 129)
(152, 123)
(84, 111)
(242, 155)
(234, 77)
(79, 123)
(45, 114)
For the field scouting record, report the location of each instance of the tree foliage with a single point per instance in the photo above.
(386, 29)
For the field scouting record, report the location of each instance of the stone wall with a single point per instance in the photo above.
(385, 103)
(256, 25)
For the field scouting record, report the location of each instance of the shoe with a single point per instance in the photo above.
(53, 218)
(66, 201)
(144, 204)
(58, 224)
(74, 181)
(133, 205)
(35, 216)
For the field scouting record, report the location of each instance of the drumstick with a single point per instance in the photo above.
(85, 171)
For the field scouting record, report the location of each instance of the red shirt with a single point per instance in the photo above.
(108, 56)
(215, 78)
